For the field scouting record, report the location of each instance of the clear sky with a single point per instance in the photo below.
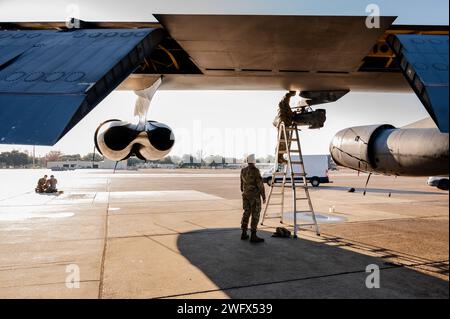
(230, 122)
(408, 11)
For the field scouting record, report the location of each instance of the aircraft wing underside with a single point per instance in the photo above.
(424, 63)
(50, 79)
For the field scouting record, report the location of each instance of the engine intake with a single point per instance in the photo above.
(118, 140)
(352, 147)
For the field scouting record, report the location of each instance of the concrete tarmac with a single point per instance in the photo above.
(175, 234)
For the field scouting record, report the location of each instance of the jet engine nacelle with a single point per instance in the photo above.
(118, 140)
(392, 151)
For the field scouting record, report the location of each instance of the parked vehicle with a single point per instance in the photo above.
(440, 182)
(316, 167)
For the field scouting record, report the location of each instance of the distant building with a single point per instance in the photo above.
(71, 165)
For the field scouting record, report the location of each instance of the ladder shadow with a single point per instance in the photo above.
(289, 268)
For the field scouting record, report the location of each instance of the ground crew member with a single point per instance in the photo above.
(51, 185)
(40, 188)
(285, 114)
(252, 189)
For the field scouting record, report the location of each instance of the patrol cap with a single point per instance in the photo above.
(251, 159)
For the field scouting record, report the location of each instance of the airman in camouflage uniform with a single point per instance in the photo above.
(285, 114)
(252, 189)
(41, 185)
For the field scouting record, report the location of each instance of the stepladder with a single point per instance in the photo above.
(289, 174)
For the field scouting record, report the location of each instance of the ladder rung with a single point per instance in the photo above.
(289, 176)
(272, 217)
(301, 198)
(294, 151)
(306, 224)
(288, 184)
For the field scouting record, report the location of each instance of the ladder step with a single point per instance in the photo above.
(289, 184)
(272, 217)
(301, 198)
(306, 224)
(297, 177)
(296, 162)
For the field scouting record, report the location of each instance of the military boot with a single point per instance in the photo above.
(244, 235)
(254, 238)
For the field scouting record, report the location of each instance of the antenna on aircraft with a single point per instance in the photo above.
(143, 101)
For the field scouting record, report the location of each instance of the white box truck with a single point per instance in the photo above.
(316, 167)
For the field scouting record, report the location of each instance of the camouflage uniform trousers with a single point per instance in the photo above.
(252, 207)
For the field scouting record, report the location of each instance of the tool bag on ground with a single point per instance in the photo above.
(282, 232)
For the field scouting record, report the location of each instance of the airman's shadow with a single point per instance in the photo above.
(297, 268)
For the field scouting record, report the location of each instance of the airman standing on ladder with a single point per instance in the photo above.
(285, 115)
(252, 189)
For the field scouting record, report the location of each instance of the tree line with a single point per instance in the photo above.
(190, 160)
(18, 159)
